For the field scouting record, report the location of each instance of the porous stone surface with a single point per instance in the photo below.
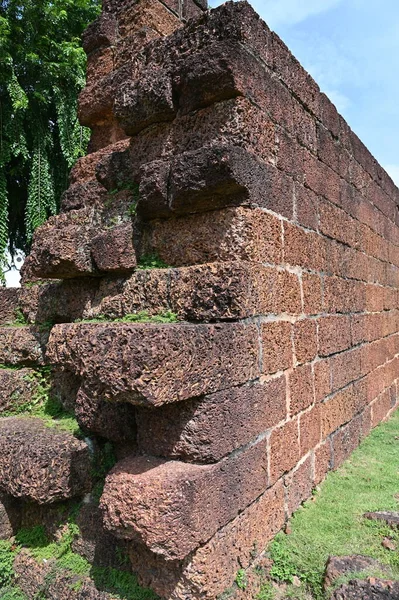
(49, 581)
(202, 180)
(40, 463)
(173, 507)
(274, 236)
(10, 516)
(206, 429)
(337, 566)
(18, 388)
(156, 364)
(211, 569)
(61, 247)
(22, 346)
(113, 251)
(371, 589)
(115, 422)
(8, 304)
(223, 235)
(391, 518)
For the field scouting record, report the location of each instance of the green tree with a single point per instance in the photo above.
(42, 70)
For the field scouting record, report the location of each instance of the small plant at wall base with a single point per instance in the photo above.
(43, 405)
(241, 579)
(151, 261)
(332, 524)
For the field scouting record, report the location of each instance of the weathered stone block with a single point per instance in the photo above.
(225, 235)
(174, 507)
(113, 250)
(156, 364)
(102, 32)
(21, 346)
(10, 516)
(8, 304)
(115, 422)
(209, 179)
(61, 247)
(215, 291)
(83, 195)
(40, 463)
(234, 290)
(17, 388)
(211, 569)
(84, 169)
(141, 103)
(58, 302)
(207, 429)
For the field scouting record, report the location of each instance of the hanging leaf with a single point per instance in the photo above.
(41, 199)
(42, 70)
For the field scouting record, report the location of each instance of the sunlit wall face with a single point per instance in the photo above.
(351, 48)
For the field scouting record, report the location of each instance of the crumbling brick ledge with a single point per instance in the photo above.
(222, 192)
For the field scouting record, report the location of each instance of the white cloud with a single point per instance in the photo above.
(393, 171)
(290, 12)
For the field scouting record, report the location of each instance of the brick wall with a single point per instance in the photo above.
(280, 232)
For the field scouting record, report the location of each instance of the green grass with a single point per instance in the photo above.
(44, 406)
(118, 582)
(12, 593)
(143, 316)
(151, 261)
(333, 523)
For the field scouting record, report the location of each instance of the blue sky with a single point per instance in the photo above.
(351, 48)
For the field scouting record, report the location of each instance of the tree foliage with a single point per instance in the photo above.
(42, 70)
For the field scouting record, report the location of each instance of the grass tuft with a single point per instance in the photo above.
(332, 523)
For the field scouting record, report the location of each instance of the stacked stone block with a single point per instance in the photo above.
(276, 237)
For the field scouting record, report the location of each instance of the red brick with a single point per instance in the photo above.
(337, 410)
(174, 507)
(301, 388)
(321, 179)
(230, 234)
(345, 368)
(312, 294)
(305, 340)
(322, 379)
(310, 429)
(322, 461)
(346, 440)
(284, 449)
(277, 346)
(335, 223)
(307, 206)
(334, 334)
(304, 249)
(381, 407)
(209, 428)
(299, 484)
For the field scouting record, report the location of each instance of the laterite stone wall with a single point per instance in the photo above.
(225, 194)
